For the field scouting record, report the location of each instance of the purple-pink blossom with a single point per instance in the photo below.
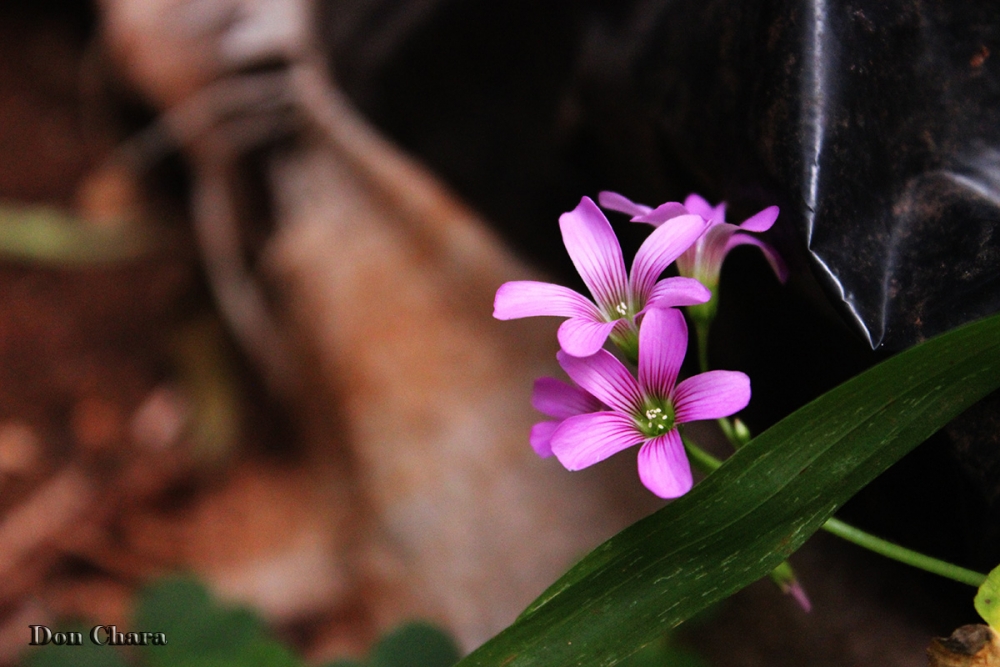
(559, 400)
(703, 260)
(619, 297)
(646, 411)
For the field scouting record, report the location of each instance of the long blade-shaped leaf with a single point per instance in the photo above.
(758, 508)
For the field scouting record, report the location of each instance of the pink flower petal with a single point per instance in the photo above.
(663, 339)
(673, 292)
(719, 212)
(660, 249)
(541, 437)
(798, 594)
(596, 253)
(616, 202)
(762, 221)
(604, 377)
(529, 298)
(696, 204)
(584, 440)
(770, 254)
(557, 399)
(662, 213)
(706, 262)
(711, 395)
(663, 466)
(582, 338)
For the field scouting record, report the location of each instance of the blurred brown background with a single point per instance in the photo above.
(244, 334)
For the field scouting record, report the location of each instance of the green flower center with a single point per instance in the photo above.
(626, 339)
(656, 418)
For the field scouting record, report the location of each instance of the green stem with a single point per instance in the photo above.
(708, 463)
(902, 554)
(701, 332)
(701, 459)
(727, 429)
(701, 328)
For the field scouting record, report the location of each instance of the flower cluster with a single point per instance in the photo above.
(621, 298)
(703, 260)
(611, 408)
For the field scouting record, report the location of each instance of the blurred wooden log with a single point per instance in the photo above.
(416, 399)
(270, 536)
(163, 46)
(391, 279)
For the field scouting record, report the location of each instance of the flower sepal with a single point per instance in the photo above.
(703, 314)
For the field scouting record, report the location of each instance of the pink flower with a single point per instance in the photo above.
(703, 260)
(620, 298)
(555, 398)
(646, 411)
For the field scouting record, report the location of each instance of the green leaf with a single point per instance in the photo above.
(663, 653)
(758, 508)
(202, 633)
(415, 644)
(987, 600)
(173, 605)
(266, 652)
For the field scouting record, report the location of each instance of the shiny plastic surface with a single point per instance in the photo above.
(877, 124)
